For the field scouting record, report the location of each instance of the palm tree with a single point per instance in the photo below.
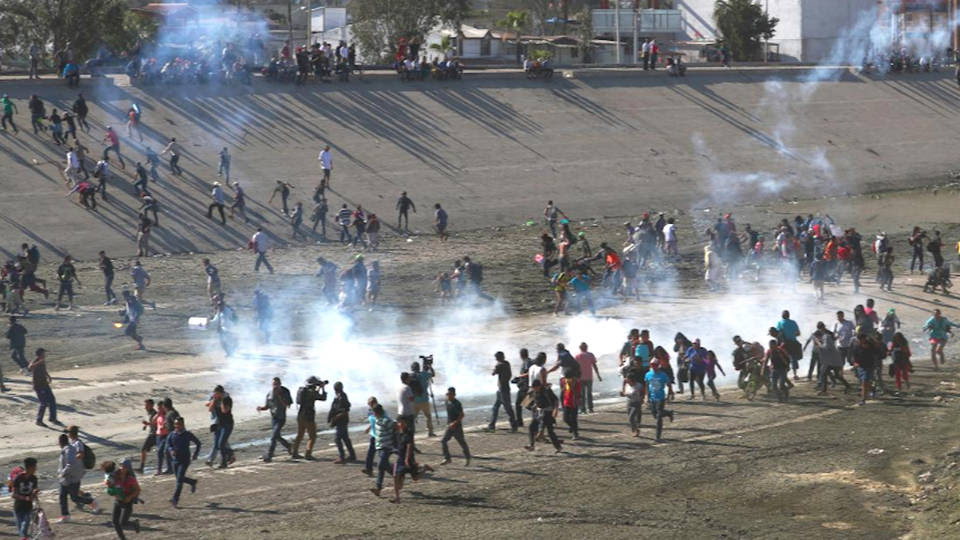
(444, 47)
(516, 20)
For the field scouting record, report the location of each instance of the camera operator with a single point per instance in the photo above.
(421, 398)
(523, 383)
(503, 373)
(312, 391)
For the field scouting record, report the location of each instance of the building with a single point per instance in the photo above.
(808, 31)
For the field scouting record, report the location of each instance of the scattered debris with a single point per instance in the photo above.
(875, 451)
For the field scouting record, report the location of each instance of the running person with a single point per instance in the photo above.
(404, 205)
(657, 380)
(937, 327)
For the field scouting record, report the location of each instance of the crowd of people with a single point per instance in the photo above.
(649, 374)
(813, 246)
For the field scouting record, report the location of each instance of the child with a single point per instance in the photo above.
(444, 287)
(900, 351)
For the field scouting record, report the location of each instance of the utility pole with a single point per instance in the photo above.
(309, 23)
(616, 26)
(636, 34)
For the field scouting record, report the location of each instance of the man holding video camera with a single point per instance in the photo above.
(307, 395)
(421, 396)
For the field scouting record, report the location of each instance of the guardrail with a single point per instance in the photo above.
(650, 21)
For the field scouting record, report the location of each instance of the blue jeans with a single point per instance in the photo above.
(180, 470)
(343, 439)
(73, 492)
(345, 237)
(780, 384)
(18, 358)
(371, 452)
(162, 454)
(23, 522)
(46, 399)
(107, 287)
(221, 443)
(503, 398)
(276, 436)
(383, 466)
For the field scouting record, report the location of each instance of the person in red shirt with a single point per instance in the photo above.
(111, 137)
(123, 485)
(570, 396)
(612, 271)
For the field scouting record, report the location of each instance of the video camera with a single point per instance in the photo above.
(427, 362)
(313, 381)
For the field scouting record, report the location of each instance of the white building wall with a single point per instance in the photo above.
(824, 21)
(471, 48)
(807, 31)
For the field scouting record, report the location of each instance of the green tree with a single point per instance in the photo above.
(452, 14)
(516, 21)
(743, 24)
(379, 24)
(446, 43)
(53, 24)
(585, 33)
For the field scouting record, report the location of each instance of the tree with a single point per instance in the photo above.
(585, 33)
(452, 14)
(516, 21)
(379, 24)
(85, 25)
(743, 24)
(446, 43)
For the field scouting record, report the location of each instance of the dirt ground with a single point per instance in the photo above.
(728, 469)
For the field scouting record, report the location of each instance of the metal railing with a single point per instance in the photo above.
(650, 20)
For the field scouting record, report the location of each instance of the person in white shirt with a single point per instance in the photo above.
(102, 172)
(537, 371)
(844, 330)
(259, 243)
(218, 199)
(326, 163)
(670, 238)
(173, 148)
(73, 166)
(645, 54)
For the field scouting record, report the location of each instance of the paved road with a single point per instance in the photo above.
(491, 148)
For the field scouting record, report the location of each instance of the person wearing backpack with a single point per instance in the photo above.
(73, 457)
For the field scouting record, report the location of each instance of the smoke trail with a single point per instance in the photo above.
(337, 347)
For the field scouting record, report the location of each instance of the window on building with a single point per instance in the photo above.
(485, 46)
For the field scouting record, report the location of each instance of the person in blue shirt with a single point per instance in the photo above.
(697, 360)
(788, 333)
(657, 382)
(372, 430)
(581, 289)
(178, 448)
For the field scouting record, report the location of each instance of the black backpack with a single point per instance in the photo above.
(89, 458)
